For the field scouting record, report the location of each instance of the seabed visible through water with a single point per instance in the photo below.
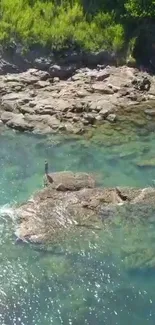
(107, 277)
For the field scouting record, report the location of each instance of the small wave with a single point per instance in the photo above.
(7, 210)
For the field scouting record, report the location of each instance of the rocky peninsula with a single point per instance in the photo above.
(73, 202)
(73, 101)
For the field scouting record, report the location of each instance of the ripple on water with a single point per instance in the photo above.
(105, 277)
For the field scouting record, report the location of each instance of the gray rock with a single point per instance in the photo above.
(104, 112)
(103, 89)
(53, 122)
(62, 72)
(62, 127)
(99, 118)
(97, 75)
(111, 117)
(150, 112)
(56, 79)
(101, 57)
(71, 106)
(6, 67)
(114, 88)
(72, 181)
(42, 84)
(73, 200)
(6, 116)
(81, 94)
(24, 109)
(75, 118)
(42, 63)
(11, 97)
(33, 93)
(8, 106)
(32, 104)
(35, 118)
(42, 129)
(89, 117)
(39, 74)
(19, 123)
(102, 75)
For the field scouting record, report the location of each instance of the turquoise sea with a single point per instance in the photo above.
(107, 278)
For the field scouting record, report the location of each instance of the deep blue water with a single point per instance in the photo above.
(106, 278)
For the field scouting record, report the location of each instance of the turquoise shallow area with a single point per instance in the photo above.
(107, 277)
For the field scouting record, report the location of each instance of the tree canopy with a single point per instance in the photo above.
(88, 24)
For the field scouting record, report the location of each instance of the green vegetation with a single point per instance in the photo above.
(85, 24)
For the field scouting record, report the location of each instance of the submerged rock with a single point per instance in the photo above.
(73, 202)
(146, 163)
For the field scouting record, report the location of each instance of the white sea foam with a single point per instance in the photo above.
(7, 210)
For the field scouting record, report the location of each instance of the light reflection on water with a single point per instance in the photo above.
(105, 278)
(84, 282)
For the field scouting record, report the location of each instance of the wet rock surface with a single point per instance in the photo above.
(71, 203)
(43, 102)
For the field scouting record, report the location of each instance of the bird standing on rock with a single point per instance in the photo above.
(47, 175)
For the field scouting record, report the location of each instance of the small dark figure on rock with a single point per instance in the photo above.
(47, 178)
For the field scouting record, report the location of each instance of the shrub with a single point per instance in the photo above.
(58, 25)
(90, 24)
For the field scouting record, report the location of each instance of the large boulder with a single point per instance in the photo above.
(6, 67)
(16, 121)
(71, 203)
(69, 181)
(62, 72)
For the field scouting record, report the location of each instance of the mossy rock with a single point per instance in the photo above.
(146, 163)
(139, 122)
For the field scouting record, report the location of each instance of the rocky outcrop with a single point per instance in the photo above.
(40, 102)
(14, 58)
(73, 202)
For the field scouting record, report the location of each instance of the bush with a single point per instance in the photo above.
(57, 24)
(51, 24)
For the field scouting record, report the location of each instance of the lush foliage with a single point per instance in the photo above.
(88, 24)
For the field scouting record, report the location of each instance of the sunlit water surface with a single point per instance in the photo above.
(105, 278)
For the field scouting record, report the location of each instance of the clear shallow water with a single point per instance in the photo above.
(107, 277)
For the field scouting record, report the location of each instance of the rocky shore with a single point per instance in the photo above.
(74, 202)
(61, 100)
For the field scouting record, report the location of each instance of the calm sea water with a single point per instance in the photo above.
(106, 278)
